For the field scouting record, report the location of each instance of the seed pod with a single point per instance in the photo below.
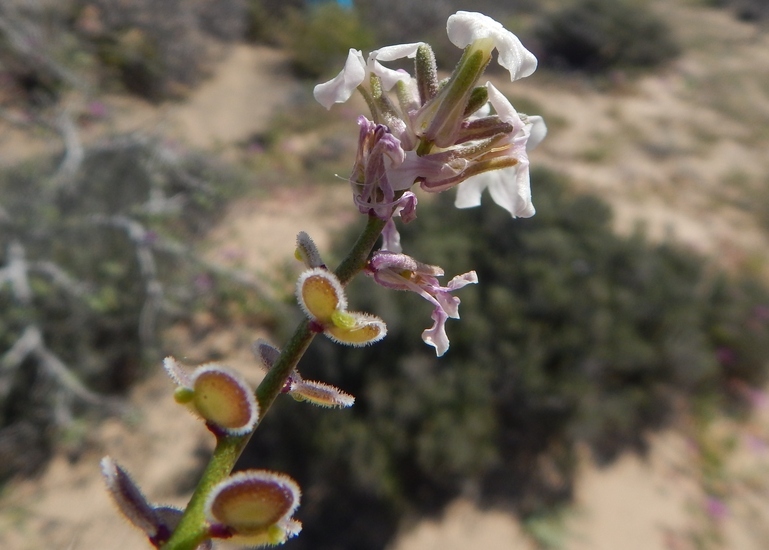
(255, 506)
(217, 394)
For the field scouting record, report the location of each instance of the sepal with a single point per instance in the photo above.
(157, 522)
(426, 71)
(479, 97)
(129, 498)
(307, 252)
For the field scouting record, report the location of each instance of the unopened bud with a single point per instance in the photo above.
(129, 498)
(318, 393)
(307, 252)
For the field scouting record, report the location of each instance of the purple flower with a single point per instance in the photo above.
(402, 272)
(407, 211)
(374, 180)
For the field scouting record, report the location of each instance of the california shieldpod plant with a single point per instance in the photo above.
(438, 135)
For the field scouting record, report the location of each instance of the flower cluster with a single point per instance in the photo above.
(441, 134)
(438, 135)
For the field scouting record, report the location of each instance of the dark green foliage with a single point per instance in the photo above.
(315, 48)
(572, 335)
(153, 49)
(109, 264)
(747, 10)
(158, 49)
(603, 35)
(402, 21)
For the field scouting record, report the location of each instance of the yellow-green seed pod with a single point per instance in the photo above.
(221, 396)
(256, 506)
(366, 329)
(320, 294)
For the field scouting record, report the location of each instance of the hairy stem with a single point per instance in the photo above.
(192, 529)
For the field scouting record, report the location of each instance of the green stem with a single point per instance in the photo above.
(192, 529)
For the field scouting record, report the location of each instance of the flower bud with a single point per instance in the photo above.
(266, 353)
(157, 522)
(307, 252)
(255, 506)
(317, 393)
(426, 73)
(129, 498)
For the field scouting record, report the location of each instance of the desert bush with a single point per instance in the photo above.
(154, 49)
(603, 35)
(39, 56)
(159, 49)
(92, 267)
(402, 21)
(313, 48)
(747, 10)
(573, 335)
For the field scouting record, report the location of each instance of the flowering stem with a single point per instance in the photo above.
(192, 529)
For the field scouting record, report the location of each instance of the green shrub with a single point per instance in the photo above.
(103, 262)
(158, 49)
(573, 335)
(603, 35)
(319, 39)
(747, 10)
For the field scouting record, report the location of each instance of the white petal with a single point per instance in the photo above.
(510, 189)
(398, 51)
(464, 28)
(459, 281)
(435, 336)
(341, 87)
(504, 108)
(391, 77)
(469, 191)
(537, 132)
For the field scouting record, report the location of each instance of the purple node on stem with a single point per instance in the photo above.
(316, 327)
(219, 531)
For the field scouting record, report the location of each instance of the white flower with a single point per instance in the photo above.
(356, 71)
(508, 187)
(465, 28)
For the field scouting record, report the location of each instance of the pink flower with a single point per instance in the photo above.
(402, 272)
(374, 177)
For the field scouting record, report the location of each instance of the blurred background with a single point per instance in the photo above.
(606, 385)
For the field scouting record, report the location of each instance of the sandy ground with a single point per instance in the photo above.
(655, 155)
